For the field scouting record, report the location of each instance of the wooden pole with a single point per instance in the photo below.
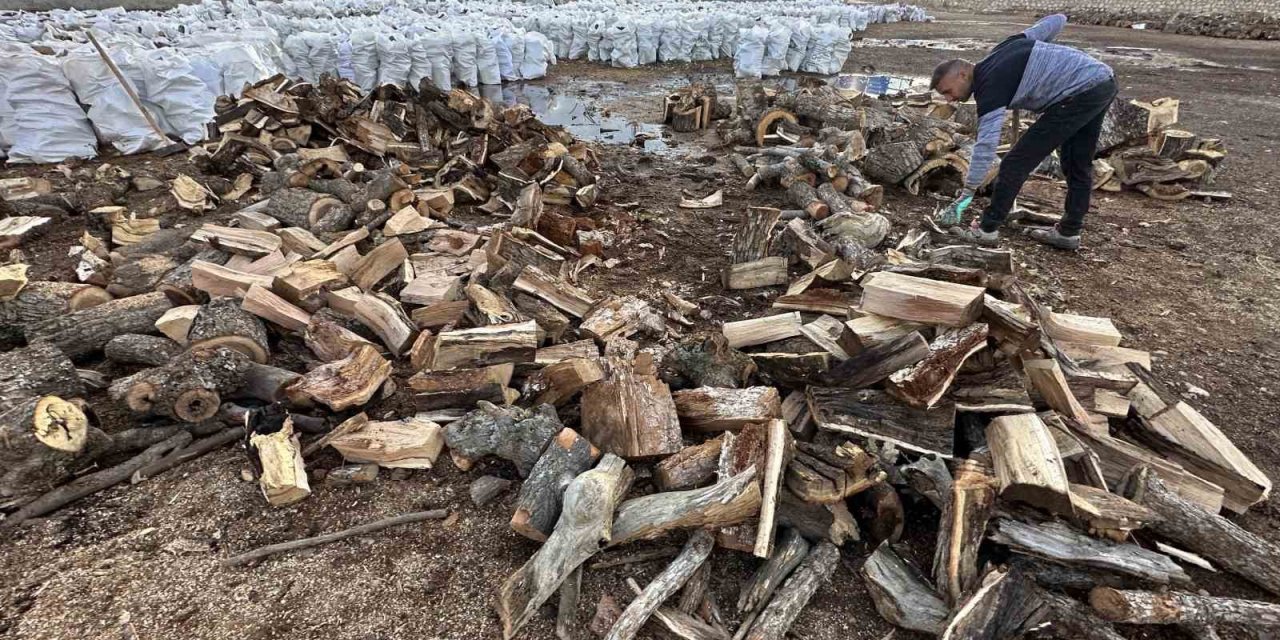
(128, 88)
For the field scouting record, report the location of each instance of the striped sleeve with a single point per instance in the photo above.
(984, 149)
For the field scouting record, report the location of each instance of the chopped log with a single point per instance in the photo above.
(794, 594)
(440, 314)
(961, 529)
(879, 508)
(778, 454)
(217, 280)
(873, 364)
(538, 505)
(589, 502)
(901, 594)
(826, 301)
(278, 455)
(1148, 607)
(43, 439)
(40, 369)
(460, 387)
(328, 339)
(556, 291)
(243, 242)
(307, 279)
(870, 330)
(266, 383)
(308, 209)
(621, 318)
(512, 433)
(688, 468)
(996, 263)
(791, 369)
(222, 323)
(561, 352)
(891, 163)
(1006, 606)
(1058, 542)
(745, 333)
(343, 384)
(630, 412)
(135, 348)
(930, 477)
(924, 383)
(709, 409)
(1108, 514)
(666, 584)
(40, 300)
(261, 302)
(190, 387)
(755, 231)
(1013, 332)
(176, 322)
(1081, 329)
(726, 503)
(1027, 463)
(817, 522)
(766, 272)
(1208, 534)
(482, 346)
(558, 382)
(490, 307)
(920, 300)
(873, 414)
(409, 443)
(804, 196)
(787, 554)
(1046, 377)
(710, 362)
(82, 333)
(485, 488)
(387, 318)
(827, 475)
(433, 288)
(1068, 619)
(742, 451)
(1103, 358)
(378, 264)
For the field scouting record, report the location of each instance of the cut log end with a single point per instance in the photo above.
(245, 345)
(197, 405)
(60, 424)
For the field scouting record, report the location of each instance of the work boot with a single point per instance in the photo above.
(975, 235)
(1055, 239)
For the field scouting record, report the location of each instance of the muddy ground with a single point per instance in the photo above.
(1195, 284)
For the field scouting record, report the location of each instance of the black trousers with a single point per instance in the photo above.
(1071, 126)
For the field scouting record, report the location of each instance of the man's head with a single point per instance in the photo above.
(953, 79)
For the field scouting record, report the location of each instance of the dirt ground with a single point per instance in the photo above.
(1195, 284)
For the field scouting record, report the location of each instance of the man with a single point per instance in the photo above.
(1069, 89)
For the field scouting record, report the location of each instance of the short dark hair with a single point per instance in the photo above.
(943, 70)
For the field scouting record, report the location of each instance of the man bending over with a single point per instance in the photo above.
(1069, 89)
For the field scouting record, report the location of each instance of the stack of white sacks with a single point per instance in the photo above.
(180, 60)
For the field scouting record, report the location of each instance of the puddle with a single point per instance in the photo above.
(581, 117)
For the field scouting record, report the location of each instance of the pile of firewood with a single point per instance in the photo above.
(1244, 25)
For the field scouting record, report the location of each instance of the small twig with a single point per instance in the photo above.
(93, 483)
(647, 555)
(190, 452)
(272, 549)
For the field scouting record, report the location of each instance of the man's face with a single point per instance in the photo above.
(956, 86)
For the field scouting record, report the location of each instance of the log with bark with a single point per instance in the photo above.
(189, 388)
(688, 468)
(791, 598)
(84, 332)
(921, 300)
(1027, 463)
(790, 550)
(752, 238)
(961, 528)
(709, 409)
(222, 323)
(512, 433)
(43, 440)
(874, 414)
(726, 503)
(829, 474)
(630, 412)
(538, 505)
(1058, 542)
(408, 443)
(586, 521)
(41, 300)
(342, 384)
(817, 522)
(924, 383)
(891, 163)
(1005, 606)
(901, 594)
(37, 370)
(666, 584)
(1148, 607)
(136, 348)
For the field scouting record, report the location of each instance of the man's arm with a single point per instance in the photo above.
(984, 149)
(1047, 29)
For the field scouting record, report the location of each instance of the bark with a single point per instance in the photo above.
(37, 370)
(82, 333)
(189, 388)
(40, 300)
(666, 584)
(790, 550)
(729, 502)
(901, 594)
(1149, 607)
(538, 505)
(222, 323)
(135, 348)
(791, 598)
(1060, 543)
(960, 531)
(512, 433)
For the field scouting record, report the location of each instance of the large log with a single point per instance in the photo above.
(1148, 607)
(538, 505)
(708, 409)
(1186, 524)
(513, 433)
(726, 503)
(901, 594)
(630, 412)
(891, 163)
(794, 594)
(1028, 464)
(135, 348)
(752, 238)
(41, 300)
(873, 414)
(82, 333)
(666, 584)
(1059, 543)
(189, 388)
(960, 531)
(37, 370)
(586, 521)
(42, 440)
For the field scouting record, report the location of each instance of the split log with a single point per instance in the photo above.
(688, 468)
(512, 433)
(901, 594)
(1208, 534)
(745, 333)
(1068, 619)
(1058, 542)
(277, 453)
(870, 330)
(1081, 329)
(817, 522)
(827, 475)
(483, 346)
(778, 454)
(1013, 332)
(307, 279)
(386, 317)
(190, 387)
(741, 452)
(222, 323)
(961, 529)
(378, 264)
(1027, 463)
(877, 362)
(819, 300)
(943, 272)
(241, 242)
(266, 383)
(924, 383)
(215, 280)
(319, 212)
(82, 333)
(752, 238)
(1046, 377)
(920, 300)
(794, 594)
(666, 584)
(929, 477)
(1006, 606)
(135, 348)
(709, 362)
(766, 272)
(261, 302)
(873, 414)
(460, 387)
(726, 503)
(559, 382)
(787, 554)
(538, 505)
(41, 300)
(1148, 607)
(630, 412)
(709, 409)
(408, 443)
(342, 384)
(567, 610)
(176, 322)
(586, 520)
(328, 339)
(996, 263)
(40, 369)
(556, 291)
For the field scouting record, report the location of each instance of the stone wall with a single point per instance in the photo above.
(1168, 7)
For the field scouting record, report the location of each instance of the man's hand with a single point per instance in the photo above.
(954, 212)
